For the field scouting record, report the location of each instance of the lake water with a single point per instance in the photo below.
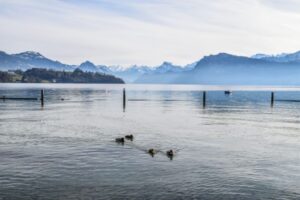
(237, 147)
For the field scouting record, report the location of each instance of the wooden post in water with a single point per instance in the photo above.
(124, 99)
(204, 99)
(272, 99)
(42, 98)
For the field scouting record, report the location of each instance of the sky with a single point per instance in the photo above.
(148, 32)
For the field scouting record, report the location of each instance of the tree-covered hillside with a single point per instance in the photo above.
(37, 75)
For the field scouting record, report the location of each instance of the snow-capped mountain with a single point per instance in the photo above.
(30, 55)
(260, 56)
(230, 69)
(167, 67)
(221, 68)
(104, 69)
(116, 68)
(35, 59)
(88, 66)
(164, 73)
(136, 73)
(284, 57)
(28, 60)
(131, 73)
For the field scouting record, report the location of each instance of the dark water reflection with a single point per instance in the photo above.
(238, 147)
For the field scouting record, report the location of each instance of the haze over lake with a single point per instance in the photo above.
(236, 147)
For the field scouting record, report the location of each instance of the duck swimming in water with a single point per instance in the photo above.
(120, 140)
(151, 152)
(129, 137)
(170, 153)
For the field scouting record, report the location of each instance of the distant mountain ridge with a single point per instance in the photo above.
(221, 68)
(230, 69)
(29, 60)
(284, 57)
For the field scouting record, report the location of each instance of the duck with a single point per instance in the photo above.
(129, 137)
(170, 153)
(151, 152)
(120, 140)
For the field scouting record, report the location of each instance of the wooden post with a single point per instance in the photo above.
(272, 99)
(124, 99)
(42, 98)
(204, 99)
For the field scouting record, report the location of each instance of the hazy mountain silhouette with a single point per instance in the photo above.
(223, 68)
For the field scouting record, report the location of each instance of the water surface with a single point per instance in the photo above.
(237, 147)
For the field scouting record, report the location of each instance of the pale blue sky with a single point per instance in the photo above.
(125, 32)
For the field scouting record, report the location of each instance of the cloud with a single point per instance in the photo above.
(146, 32)
(283, 5)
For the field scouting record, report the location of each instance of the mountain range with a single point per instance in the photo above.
(222, 68)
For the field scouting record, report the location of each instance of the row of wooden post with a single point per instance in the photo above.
(203, 99)
(124, 99)
(25, 98)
